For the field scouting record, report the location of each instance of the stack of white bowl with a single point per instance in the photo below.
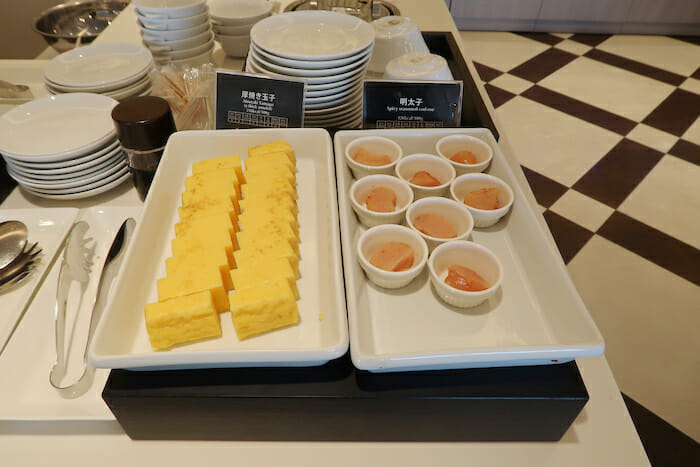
(232, 21)
(115, 70)
(176, 31)
(329, 50)
(77, 154)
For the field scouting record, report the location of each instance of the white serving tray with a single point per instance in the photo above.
(25, 392)
(121, 340)
(536, 318)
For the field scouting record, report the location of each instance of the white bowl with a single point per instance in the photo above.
(449, 145)
(156, 35)
(418, 66)
(375, 145)
(232, 30)
(394, 36)
(451, 210)
(197, 60)
(239, 12)
(184, 53)
(470, 255)
(234, 46)
(170, 9)
(157, 47)
(436, 166)
(169, 24)
(361, 188)
(474, 181)
(374, 238)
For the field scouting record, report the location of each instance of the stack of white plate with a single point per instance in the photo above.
(329, 50)
(63, 147)
(233, 20)
(114, 70)
(176, 31)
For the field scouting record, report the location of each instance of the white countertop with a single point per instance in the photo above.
(602, 434)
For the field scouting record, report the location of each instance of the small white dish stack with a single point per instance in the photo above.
(232, 21)
(328, 50)
(78, 154)
(116, 70)
(176, 31)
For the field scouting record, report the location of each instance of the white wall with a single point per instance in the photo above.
(17, 38)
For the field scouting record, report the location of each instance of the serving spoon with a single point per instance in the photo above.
(13, 239)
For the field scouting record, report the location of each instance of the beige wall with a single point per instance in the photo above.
(17, 38)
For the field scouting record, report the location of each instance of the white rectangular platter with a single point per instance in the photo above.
(25, 393)
(121, 340)
(536, 318)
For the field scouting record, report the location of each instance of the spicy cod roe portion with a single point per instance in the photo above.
(483, 198)
(363, 156)
(435, 225)
(464, 157)
(381, 199)
(423, 178)
(464, 278)
(393, 256)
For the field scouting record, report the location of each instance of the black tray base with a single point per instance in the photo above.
(336, 402)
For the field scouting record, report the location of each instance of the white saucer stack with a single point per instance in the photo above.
(329, 50)
(77, 153)
(115, 70)
(176, 31)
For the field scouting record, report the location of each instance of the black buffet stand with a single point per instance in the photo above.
(337, 402)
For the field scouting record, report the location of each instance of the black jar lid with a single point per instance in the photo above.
(143, 122)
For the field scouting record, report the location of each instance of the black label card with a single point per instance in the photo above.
(245, 100)
(412, 104)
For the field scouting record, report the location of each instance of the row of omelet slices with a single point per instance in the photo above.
(236, 248)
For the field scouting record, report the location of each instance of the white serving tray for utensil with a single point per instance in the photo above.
(121, 340)
(537, 317)
(25, 393)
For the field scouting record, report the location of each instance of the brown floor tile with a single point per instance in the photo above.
(543, 65)
(569, 236)
(546, 190)
(579, 109)
(498, 96)
(654, 245)
(544, 37)
(590, 39)
(690, 39)
(619, 172)
(687, 151)
(486, 73)
(696, 75)
(676, 113)
(636, 67)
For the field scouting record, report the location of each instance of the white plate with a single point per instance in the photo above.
(307, 73)
(113, 183)
(68, 125)
(99, 65)
(312, 35)
(26, 361)
(255, 66)
(537, 317)
(311, 64)
(56, 88)
(129, 91)
(171, 8)
(50, 177)
(70, 190)
(70, 165)
(121, 340)
(334, 110)
(74, 183)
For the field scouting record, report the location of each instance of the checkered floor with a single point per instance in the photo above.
(606, 128)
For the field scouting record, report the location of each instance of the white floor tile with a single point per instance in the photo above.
(692, 134)
(650, 136)
(582, 210)
(500, 50)
(649, 319)
(607, 87)
(573, 47)
(658, 51)
(668, 199)
(511, 83)
(553, 143)
(691, 84)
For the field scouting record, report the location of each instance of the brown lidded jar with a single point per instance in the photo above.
(144, 124)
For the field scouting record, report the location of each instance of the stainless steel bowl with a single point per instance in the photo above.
(69, 25)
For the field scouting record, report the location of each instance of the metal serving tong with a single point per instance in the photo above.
(76, 267)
